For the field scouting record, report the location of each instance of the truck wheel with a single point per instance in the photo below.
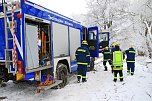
(62, 74)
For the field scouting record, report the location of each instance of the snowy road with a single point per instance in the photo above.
(99, 87)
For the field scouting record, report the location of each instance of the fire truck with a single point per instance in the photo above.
(38, 44)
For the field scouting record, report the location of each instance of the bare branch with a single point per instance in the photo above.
(149, 6)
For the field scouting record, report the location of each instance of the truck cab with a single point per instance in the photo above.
(96, 40)
(103, 39)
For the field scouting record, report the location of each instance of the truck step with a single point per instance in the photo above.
(10, 38)
(8, 61)
(44, 88)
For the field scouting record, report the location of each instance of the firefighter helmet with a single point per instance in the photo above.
(84, 42)
(106, 47)
(117, 44)
(113, 44)
(131, 46)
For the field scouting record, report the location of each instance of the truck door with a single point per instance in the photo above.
(103, 39)
(1, 5)
(92, 39)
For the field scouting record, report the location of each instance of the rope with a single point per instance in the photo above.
(14, 41)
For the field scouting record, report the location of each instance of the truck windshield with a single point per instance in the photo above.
(103, 36)
(92, 35)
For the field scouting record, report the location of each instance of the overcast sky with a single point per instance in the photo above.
(65, 7)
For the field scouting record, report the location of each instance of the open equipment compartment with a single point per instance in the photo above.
(38, 43)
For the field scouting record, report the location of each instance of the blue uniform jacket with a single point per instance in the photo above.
(82, 55)
(106, 55)
(112, 49)
(130, 55)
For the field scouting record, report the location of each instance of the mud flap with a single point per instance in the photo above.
(19, 77)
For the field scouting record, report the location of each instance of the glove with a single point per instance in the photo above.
(88, 65)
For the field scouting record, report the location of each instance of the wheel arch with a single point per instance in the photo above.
(65, 62)
(62, 71)
(61, 60)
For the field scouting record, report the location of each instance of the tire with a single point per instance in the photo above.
(62, 72)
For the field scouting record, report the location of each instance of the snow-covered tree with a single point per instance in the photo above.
(143, 22)
(131, 22)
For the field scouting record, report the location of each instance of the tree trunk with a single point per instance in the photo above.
(148, 35)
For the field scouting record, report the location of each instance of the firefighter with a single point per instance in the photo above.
(117, 59)
(130, 53)
(83, 60)
(106, 57)
(112, 50)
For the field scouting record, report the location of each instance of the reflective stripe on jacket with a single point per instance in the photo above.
(117, 67)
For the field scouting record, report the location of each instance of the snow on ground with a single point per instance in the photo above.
(99, 87)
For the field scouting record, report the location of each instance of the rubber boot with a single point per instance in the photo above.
(132, 73)
(78, 81)
(121, 80)
(114, 80)
(106, 68)
(84, 80)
